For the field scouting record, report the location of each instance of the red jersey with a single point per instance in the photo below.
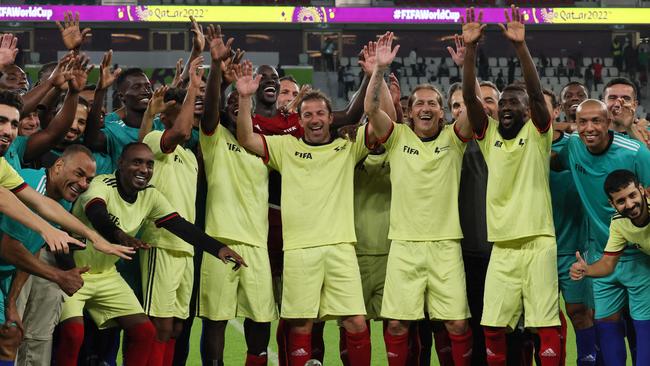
(280, 124)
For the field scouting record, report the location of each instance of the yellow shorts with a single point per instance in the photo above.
(167, 280)
(248, 292)
(522, 277)
(321, 282)
(105, 296)
(373, 275)
(425, 273)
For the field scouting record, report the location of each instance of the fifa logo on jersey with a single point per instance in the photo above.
(498, 143)
(339, 148)
(233, 147)
(303, 155)
(178, 159)
(581, 169)
(114, 219)
(410, 150)
(438, 150)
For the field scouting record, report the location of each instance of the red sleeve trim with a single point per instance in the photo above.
(390, 132)
(548, 127)
(613, 253)
(266, 156)
(366, 141)
(461, 138)
(481, 136)
(164, 219)
(95, 201)
(162, 144)
(19, 188)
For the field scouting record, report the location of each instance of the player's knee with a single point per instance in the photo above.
(397, 327)
(581, 317)
(303, 326)
(177, 328)
(164, 328)
(10, 338)
(142, 332)
(355, 324)
(457, 326)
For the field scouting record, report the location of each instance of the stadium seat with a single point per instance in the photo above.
(550, 71)
(605, 71)
(303, 59)
(453, 71)
(409, 71)
(354, 61)
(344, 61)
(492, 61)
(613, 71)
(398, 60)
(449, 61)
(413, 80)
(437, 60)
(503, 62)
(422, 80)
(564, 80)
(586, 61)
(555, 61)
(608, 62)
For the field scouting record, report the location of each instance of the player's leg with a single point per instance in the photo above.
(475, 270)
(71, 336)
(447, 297)
(609, 300)
(213, 341)
(10, 334)
(317, 341)
(404, 292)
(636, 279)
(442, 343)
(140, 334)
(181, 350)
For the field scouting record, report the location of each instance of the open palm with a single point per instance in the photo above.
(246, 84)
(8, 49)
(218, 49)
(106, 76)
(385, 54)
(514, 30)
(70, 32)
(472, 27)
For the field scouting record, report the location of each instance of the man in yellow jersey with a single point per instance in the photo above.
(425, 264)
(522, 273)
(237, 215)
(168, 267)
(321, 275)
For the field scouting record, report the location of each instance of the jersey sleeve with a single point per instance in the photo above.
(208, 142)
(274, 150)
(396, 131)
(98, 190)
(154, 140)
(457, 140)
(489, 136)
(13, 228)
(160, 210)
(616, 242)
(359, 146)
(9, 178)
(642, 165)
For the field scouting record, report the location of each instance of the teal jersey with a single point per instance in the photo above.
(589, 172)
(568, 214)
(35, 178)
(119, 135)
(16, 152)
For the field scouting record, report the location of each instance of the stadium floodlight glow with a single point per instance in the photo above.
(317, 14)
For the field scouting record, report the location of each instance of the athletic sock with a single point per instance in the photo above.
(343, 347)
(157, 353)
(6, 363)
(442, 342)
(415, 345)
(563, 334)
(612, 342)
(282, 337)
(71, 336)
(461, 348)
(495, 346)
(586, 346)
(397, 348)
(549, 350)
(170, 349)
(140, 342)
(359, 348)
(317, 342)
(299, 348)
(256, 360)
(642, 328)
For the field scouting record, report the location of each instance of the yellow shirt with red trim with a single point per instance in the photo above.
(150, 204)
(518, 200)
(174, 175)
(372, 205)
(317, 188)
(9, 178)
(238, 193)
(623, 233)
(425, 178)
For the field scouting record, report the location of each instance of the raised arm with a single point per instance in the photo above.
(51, 86)
(71, 33)
(472, 32)
(219, 52)
(354, 110)
(246, 86)
(181, 130)
(385, 54)
(396, 95)
(515, 32)
(8, 50)
(368, 61)
(462, 125)
(156, 105)
(94, 138)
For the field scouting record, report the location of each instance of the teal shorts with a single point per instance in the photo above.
(573, 292)
(628, 285)
(5, 285)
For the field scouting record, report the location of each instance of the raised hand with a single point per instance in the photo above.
(62, 73)
(71, 281)
(70, 33)
(368, 58)
(219, 50)
(196, 72)
(178, 74)
(623, 113)
(394, 88)
(198, 43)
(8, 50)
(472, 27)
(228, 65)
(458, 55)
(578, 269)
(515, 30)
(385, 54)
(106, 76)
(80, 73)
(246, 84)
(293, 106)
(157, 102)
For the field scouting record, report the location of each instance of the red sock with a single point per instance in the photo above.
(254, 360)
(71, 336)
(299, 348)
(495, 346)
(358, 348)
(140, 343)
(169, 352)
(442, 342)
(281, 336)
(563, 335)
(157, 353)
(461, 348)
(343, 347)
(397, 348)
(549, 350)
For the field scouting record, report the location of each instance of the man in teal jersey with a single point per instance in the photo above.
(63, 182)
(591, 154)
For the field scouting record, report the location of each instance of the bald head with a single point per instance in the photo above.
(591, 104)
